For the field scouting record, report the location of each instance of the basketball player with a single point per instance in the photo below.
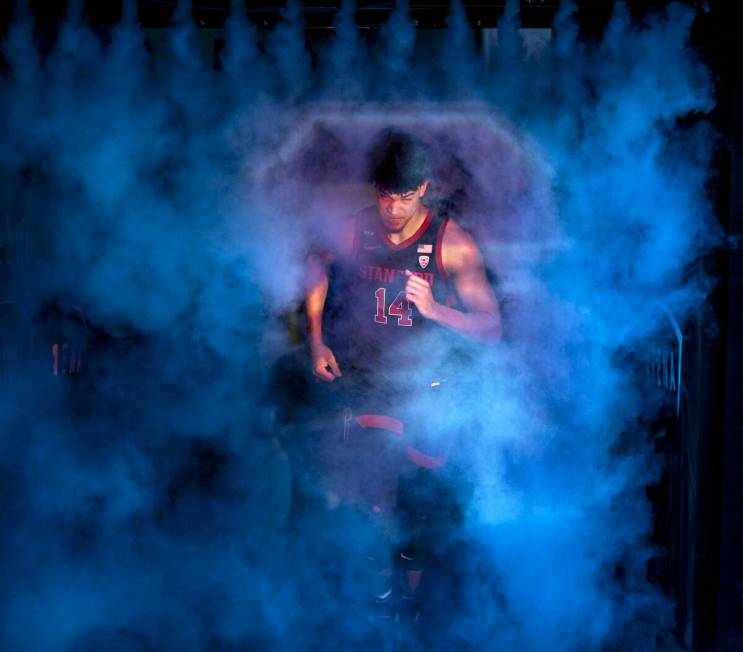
(401, 269)
(384, 308)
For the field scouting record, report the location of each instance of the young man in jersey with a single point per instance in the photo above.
(382, 308)
(401, 268)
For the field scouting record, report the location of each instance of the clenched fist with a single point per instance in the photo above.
(419, 291)
(324, 365)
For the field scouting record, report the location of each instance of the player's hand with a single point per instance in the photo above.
(419, 291)
(324, 365)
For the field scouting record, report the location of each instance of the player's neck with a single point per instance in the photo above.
(410, 228)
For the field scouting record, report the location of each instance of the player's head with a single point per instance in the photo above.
(398, 162)
(399, 169)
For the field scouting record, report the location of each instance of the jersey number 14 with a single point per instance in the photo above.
(399, 308)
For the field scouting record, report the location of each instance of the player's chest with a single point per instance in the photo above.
(378, 262)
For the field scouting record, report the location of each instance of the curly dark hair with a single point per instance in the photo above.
(398, 162)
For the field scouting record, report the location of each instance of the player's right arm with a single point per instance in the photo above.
(324, 365)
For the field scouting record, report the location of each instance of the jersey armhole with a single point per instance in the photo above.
(439, 253)
(356, 232)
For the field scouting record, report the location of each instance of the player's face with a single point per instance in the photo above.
(397, 209)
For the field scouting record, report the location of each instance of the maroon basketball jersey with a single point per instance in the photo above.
(371, 326)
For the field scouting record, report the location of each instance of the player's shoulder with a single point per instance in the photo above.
(350, 228)
(457, 236)
(365, 216)
(458, 247)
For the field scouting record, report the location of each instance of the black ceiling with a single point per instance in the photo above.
(713, 32)
(320, 13)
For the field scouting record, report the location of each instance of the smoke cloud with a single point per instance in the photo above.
(157, 213)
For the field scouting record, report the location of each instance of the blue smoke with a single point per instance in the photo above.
(172, 205)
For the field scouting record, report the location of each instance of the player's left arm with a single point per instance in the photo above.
(462, 260)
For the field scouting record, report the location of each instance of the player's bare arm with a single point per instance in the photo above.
(463, 262)
(324, 365)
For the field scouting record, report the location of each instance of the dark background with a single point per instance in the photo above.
(698, 504)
